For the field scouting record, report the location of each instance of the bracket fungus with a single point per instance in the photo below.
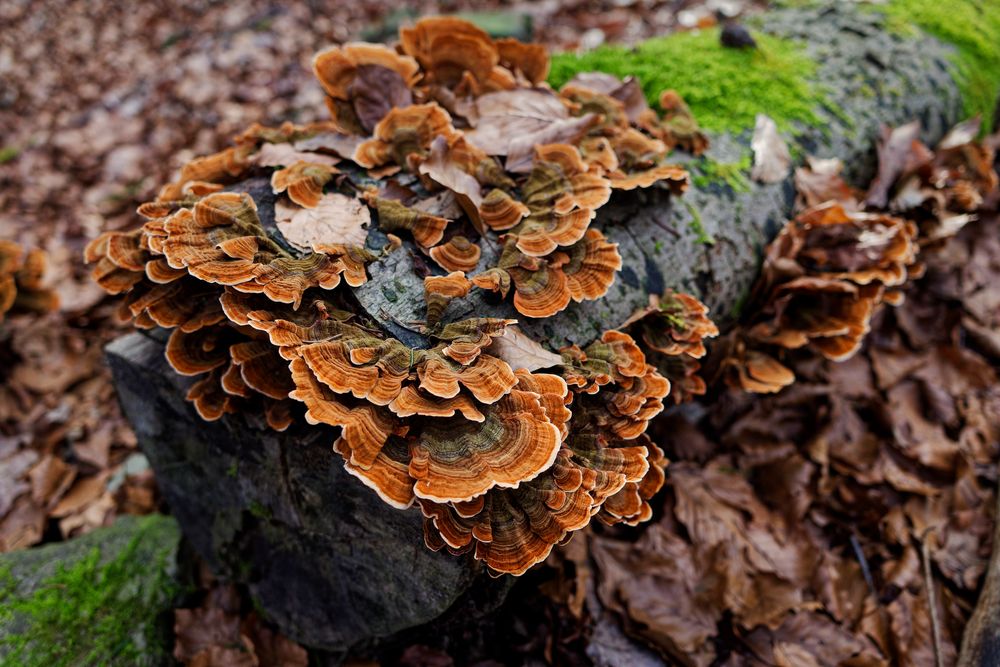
(847, 253)
(824, 276)
(454, 142)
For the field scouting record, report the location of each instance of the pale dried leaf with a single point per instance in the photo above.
(513, 122)
(771, 159)
(336, 219)
(274, 155)
(521, 351)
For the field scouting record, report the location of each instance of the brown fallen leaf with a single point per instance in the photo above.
(82, 493)
(198, 630)
(22, 526)
(820, 180)
(50, 479)
(513, 122)
(898, 150)
(95, 449)
(12, 483)
(93, 515)
(273, 649)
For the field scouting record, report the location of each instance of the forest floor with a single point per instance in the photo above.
(839, 530)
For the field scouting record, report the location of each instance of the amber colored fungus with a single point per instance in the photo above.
(672, 330)
(304, 182)
(457, 254)
(364, 82)
(452, 142)
(833, 265)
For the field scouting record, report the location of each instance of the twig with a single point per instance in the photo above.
(865, 570)
(925, 555)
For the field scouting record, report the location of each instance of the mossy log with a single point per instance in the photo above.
(325, 558)
(709, 241)
(106, 598)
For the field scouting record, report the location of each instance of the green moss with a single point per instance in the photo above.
(87, 613)
(973, 28)
(725, 88)
(706, 171)
(259, 511)
(8, 153)
(698, 227)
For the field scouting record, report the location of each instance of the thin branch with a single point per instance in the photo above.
(925, 556)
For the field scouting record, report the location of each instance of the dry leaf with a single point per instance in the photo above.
(274, 155)
(343, 145)
(11, 484)
(337, 219)
(771, 159)
(895, 150)
(513, 122)
(50, 479)
(520, 351)
(84, 492)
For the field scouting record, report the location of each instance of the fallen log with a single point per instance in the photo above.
(325, 558)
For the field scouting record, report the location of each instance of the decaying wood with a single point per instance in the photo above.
(331, 564)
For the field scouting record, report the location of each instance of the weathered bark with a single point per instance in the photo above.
(327, 560)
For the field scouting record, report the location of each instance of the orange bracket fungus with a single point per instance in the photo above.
(847, 253)
(449, 150)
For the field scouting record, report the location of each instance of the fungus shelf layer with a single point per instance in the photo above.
(452, 147)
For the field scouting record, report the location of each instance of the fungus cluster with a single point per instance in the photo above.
(453, 141)
(21, 281)
(848, 252)
(673, 329)
(469, 146)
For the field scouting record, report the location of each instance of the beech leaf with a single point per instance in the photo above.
(521, 351)
(336, 219)
(274, 155)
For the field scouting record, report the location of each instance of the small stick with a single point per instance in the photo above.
(925, 555)
(860, 555)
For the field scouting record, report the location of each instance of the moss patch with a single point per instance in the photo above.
(725, 88)
(734, 174)
(973, 28)
(698, 227)
(8, 154)
(96, 610)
